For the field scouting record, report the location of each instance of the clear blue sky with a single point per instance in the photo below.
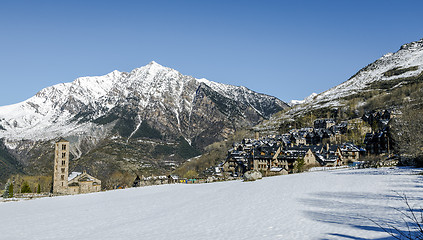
(287, 49)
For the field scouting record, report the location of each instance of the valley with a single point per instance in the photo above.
(151, 120)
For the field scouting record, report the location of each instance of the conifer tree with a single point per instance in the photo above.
(300, 164)
(38, 188)
(25, 188)
(6, 190)
(11, 190)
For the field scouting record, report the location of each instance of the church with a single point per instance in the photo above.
(76, 182)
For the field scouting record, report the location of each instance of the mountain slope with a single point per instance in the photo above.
(151, 102)
(391, 82)
(8, 164)
(393, 69)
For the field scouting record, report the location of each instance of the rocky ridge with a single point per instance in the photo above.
(152, 104)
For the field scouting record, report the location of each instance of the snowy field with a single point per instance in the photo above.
(316, 205)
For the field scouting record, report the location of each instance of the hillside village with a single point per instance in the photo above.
(325, 144)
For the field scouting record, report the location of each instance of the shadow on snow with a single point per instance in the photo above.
(366, 211)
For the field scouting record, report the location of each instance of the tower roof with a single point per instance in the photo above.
(62, 140)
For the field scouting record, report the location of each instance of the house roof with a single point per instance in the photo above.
(322, 158)
(62, 140)
(74, 175)
(84, 176)
(348, 147)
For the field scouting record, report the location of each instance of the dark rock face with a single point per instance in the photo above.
(8, 164)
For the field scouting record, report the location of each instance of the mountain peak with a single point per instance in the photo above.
(413, 45)
(114, 73)
(155, 64)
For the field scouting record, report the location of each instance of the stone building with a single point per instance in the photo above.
(61, 167)
(83, 183)
(77, 182)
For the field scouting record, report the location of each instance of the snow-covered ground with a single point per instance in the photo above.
(316, 205)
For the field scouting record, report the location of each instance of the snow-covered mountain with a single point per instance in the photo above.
(378, 85)
(398, 68)
(153, 92)
(150, 102)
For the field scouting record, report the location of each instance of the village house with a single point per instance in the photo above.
(360, 125)
(335, 139)
(236, 163)
(155, 180)
(378, 142)
(268, 159)
(329, 155)
(311, 159)
(323, 123)
(350, 153)
(299, 138)
(75, 183)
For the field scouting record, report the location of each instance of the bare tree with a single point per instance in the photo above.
(407, 133)
(413, 220)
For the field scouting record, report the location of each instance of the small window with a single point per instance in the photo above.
(62, 177)
(64, 147)
(63, 163)
(63, 170)
(62, 184)
(63, 155)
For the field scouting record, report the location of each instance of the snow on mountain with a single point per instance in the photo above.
(305, 100)
(391, 71)
(57, 110)
(406, 62)
(339, 204)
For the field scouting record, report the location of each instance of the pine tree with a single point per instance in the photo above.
(6, 190)
(38, 188)
(25, 188)
(300, 164)
(11, 190)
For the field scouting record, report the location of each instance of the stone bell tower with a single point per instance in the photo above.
(61, 167)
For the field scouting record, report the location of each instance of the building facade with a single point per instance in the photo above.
(83, 183)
